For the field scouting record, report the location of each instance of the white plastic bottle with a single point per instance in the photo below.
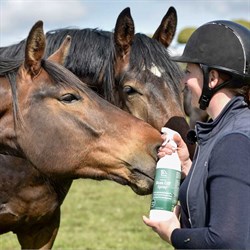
(166, 183)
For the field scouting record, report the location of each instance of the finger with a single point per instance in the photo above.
(164, 152)
(163, 136)
(167, 149)
(160, 155)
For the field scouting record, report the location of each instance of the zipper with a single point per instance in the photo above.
(189, 215)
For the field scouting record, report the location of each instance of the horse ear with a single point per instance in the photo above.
(124, 33)
(35, 47)
(60, 55)
(166, 31)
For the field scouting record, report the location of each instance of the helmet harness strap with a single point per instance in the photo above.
(208, 92)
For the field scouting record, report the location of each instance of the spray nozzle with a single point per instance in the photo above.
(170, 135)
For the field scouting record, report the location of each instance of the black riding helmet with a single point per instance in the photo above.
(222, 45)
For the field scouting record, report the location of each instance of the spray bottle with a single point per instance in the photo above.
(166, 183)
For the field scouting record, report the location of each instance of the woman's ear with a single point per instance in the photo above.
(214, 78)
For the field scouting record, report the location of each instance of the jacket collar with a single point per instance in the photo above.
(206, 130)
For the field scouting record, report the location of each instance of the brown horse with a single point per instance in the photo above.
(54, 129)
(147, 81)
(132, 71)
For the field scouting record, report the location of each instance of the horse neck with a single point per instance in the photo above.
(25, 172)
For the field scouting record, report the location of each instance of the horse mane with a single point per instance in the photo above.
(62, 76)
(147, 53)
(91, 56)
(14, 50)
(8, 65)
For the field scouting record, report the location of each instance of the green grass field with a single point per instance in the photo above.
(101, 216)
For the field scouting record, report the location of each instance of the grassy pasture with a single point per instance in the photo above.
(101, 215)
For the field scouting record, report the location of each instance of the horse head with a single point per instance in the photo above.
(147, 80)
(53, 120)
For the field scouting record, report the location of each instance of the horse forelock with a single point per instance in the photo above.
(148, 56)
(8, 69)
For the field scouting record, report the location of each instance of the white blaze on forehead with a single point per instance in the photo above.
(154, 70)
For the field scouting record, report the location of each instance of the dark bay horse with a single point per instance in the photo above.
(147, 81)
(132, 71)
(54, 129)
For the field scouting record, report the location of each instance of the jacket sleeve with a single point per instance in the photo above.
(228, 205)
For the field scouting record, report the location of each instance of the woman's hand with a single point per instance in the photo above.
(182, 151)
(165, 228)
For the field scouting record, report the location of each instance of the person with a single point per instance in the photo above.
(214, 196)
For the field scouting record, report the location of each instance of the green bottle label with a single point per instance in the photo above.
(166, 189)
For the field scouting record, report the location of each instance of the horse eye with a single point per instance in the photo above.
(129, 90)
(69, 98)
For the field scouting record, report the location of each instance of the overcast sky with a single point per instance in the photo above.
(18, 16)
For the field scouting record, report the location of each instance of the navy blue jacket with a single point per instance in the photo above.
(215, 196)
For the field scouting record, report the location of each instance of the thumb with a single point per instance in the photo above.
(179, 141)
(147, 221)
